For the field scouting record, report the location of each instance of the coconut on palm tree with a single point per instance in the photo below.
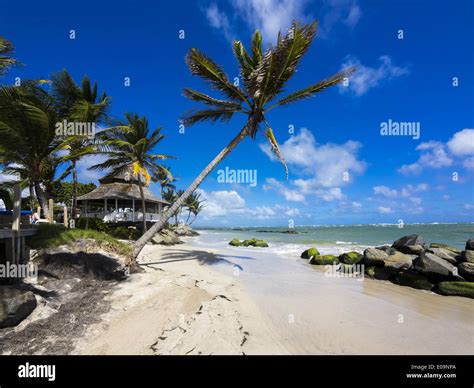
(129, 148)
(265, 75)
(78, 104)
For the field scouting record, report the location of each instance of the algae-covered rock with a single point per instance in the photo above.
(308, 253)
(261, 244)
(465, 289)
(414, 280)
(235, 243)
(370, 271)
(254, 243)
(324, 260)
(350, 258)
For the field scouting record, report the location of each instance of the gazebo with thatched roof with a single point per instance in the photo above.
(118, 199)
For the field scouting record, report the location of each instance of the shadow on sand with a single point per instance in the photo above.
(203, 257)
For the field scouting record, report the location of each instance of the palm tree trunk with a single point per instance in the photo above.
(187, 219)
(194, 219)
(41, 197)
(141, 242)
(142, 195)
(74, 190)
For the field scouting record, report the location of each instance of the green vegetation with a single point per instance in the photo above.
(64, 191)
(92, 223)
(254, 242)
(50, 236)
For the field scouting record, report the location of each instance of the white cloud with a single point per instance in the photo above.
(366, 78)
(270, 16)
(334, 12)
(462, 143)
(219, 20)
(468, 206)
(433, 155)
(406, 191)
(385, 191)
(384, 210)
(222, 203)
(325, 167)
(436, 154)
(288, 194)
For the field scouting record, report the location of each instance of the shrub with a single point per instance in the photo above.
(92, 223)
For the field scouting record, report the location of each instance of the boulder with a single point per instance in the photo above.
(185, 231)
(15, 305)
(435, 267)
(445, 246)
(324, 260)
(465, 289)
(412, 279)
(413, 249)
(399, 260)
(466, 270)
(402, 243)
(308, 253)
(387, 249)
(470, 245)
(166, 237)
(254, 243)
(466, 256)
(445, 254)
(374, 256)
(235, 242)
(350, 258)
(261, 244)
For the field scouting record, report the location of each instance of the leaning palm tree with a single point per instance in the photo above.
(6, 60)
(28, 141)
(129, 147)
(265, 75)
(78, 104)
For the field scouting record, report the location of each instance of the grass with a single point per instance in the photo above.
(50, 236)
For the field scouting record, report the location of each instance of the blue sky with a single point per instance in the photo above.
(342, 170)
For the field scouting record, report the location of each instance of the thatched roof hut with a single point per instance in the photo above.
(119, 194)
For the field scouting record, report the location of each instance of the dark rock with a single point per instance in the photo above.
(15, 306)
(466, 270)
(466, 256)
(412, 279)
(435, 267)
(445, 254)
(399, 261)
(412, 249)
(374, 256)
(402, 243)
(387, 249)
(465, 289)
(470, 245)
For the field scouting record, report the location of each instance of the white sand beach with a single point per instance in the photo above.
(193, 299)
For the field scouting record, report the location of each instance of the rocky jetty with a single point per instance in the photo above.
(411, 262)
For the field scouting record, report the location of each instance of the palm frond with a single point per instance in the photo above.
(276, 148)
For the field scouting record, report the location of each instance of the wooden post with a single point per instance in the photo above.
(51, 211)
(65, 217)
